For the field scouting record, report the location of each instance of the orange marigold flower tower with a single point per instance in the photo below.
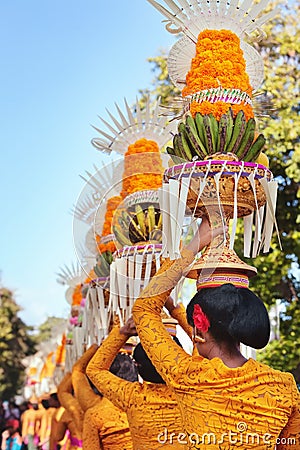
(217, 72)
(143, 167)
(105, 240)
(92, 221)
(217, 79)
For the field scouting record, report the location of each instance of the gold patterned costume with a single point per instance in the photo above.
(59, 427)
(45, 428)
(252, 406)
(73, 416)
(149, 406)
(30, 426)
(104, 426)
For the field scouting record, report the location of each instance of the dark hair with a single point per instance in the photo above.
(123, 366)
(54, 396)
(145, 367)
(94, 387)
(235, 314)
(45, 403)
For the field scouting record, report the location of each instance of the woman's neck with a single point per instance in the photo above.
(231, 358)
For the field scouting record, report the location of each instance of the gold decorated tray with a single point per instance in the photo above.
(215, 183)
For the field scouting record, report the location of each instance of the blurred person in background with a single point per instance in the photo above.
(150, 405)
(29, 425)
(50, 405)
(11, 436)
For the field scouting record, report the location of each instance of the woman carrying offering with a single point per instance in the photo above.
(72, 417)
(150, 406)
(226, 401)
(104, 426)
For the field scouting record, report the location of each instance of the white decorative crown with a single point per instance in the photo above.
(193, 16)
(102, 184)
(70, 276)
(146, 123)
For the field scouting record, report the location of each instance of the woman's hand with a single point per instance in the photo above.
(129, 328)
(203, 236)
(169, 305)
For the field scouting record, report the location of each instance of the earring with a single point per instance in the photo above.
(199, 340)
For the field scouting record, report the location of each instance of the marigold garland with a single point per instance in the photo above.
(219, 61)
(77, 295)
(91, 276)
(143, 167)
(105, 246)
(219, 108)
(111, 206)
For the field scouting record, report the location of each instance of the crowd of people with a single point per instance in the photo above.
(27, 426)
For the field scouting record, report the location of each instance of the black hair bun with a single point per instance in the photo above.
(123, 366)
(236, 315)
(251, 323)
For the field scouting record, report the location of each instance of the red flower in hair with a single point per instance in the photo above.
(200, 319)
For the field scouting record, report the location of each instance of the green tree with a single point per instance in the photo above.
(51, 328)
(276, 280)
(280, 49)
(162, 86)
(283, 354)
(15, 343)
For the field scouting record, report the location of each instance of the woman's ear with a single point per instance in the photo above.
(198, 337)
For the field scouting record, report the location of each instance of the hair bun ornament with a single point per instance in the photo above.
(201, 320)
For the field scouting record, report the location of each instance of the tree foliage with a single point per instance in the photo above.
(276, 271)
(51, 328)
(280, 49)
(283, 354)
(15, 344)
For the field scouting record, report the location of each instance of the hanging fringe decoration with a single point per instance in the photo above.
(222, 187)
(97, 315)
(131, 271)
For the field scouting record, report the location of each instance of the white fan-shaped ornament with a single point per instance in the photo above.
(69, 295)
(89, 211)
(70, 276)
(184, 50)
(84, 209)
(91, 242)
(105, 181)
(148, 123)
(193, 16)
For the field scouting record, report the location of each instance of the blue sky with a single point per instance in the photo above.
(62, 64)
